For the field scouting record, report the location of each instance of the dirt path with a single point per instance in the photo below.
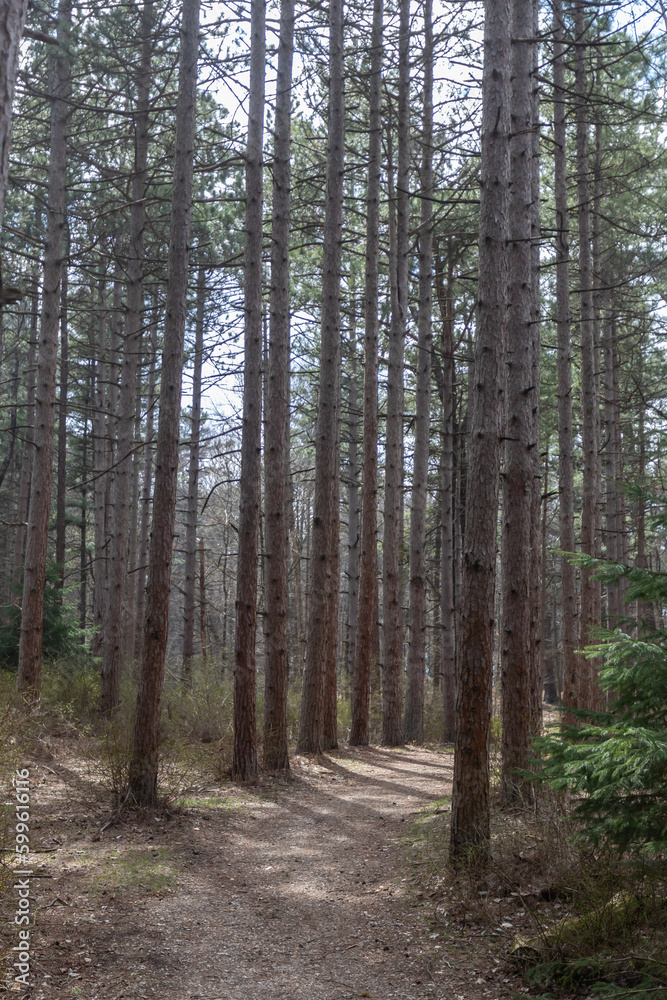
(298, 889)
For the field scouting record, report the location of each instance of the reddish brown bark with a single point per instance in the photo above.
(367, 614)
(318, 692)
(129, 642)
(244, 767)
(392, 723)
(538, 608)
(447, 561)
(591, 596)
(99, 467)
(193, 486)
(520, 430)
(470, 794)
(413, 722)
(353, 509)
(142, 555)
(121, 492)
(615, 520)
(277, 430)
(203, 642)
(144, 762)
(34, 576)
(61, 482)
(28, 435)
(565, 434)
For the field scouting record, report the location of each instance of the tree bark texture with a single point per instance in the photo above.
(144, 762)
(353, 509)
(99, 470)
(537, 605)
(244, 767)
(34, 576)
(392, 723)
(470, 795)
(277, 423)
(520, 430)
(130, 625)
(203, 642)
(193, 486)
(142, 555)
(333, 245)
(28, 435)
(318, 682)
(447, 595)
(565, 433)
(413, 722)
(112, 653)
(615, 528)
(590, 430)
(61, 482)
(363, 652)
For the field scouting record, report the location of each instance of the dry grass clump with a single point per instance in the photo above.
(568, 917)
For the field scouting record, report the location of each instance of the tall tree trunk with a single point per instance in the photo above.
(61, 482)
(614, 551)
(202, 601)
(297, 652)
(99, 468)
(332, 253)
(316, 729)
(644, 608)
(12, 21)
(470, 794)
(565, 433)
(28, 435)
(392, 728)
(129, 642)
(11, 432)
(367, 613)
(413, 723)
(277, 432)
(142, 556)
(193, 486)
(520, 443)
(34, 577)
(547, 647)
(621, 525)
(352, 505)
(244, 767)
(590, 537)
(144, 762)
(121, 490)
(83, 550)
(447, 514)
(537, 564)
(330, 671)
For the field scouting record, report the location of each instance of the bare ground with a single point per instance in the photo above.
(298, 888)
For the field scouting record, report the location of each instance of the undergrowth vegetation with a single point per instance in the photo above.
(575, 897)
(563, 916)
(574, 900)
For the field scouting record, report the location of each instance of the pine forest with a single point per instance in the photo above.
(333, 396)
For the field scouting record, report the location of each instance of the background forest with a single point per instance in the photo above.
(251, 280)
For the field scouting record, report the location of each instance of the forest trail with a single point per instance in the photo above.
(298, 888)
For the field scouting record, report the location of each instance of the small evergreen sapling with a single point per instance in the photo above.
(615, 761)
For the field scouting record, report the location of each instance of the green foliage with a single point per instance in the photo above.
(61, 635)
(605, 976)
(615, 761)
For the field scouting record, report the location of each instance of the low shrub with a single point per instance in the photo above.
(61, 635)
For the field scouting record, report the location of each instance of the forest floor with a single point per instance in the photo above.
(301, 887)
